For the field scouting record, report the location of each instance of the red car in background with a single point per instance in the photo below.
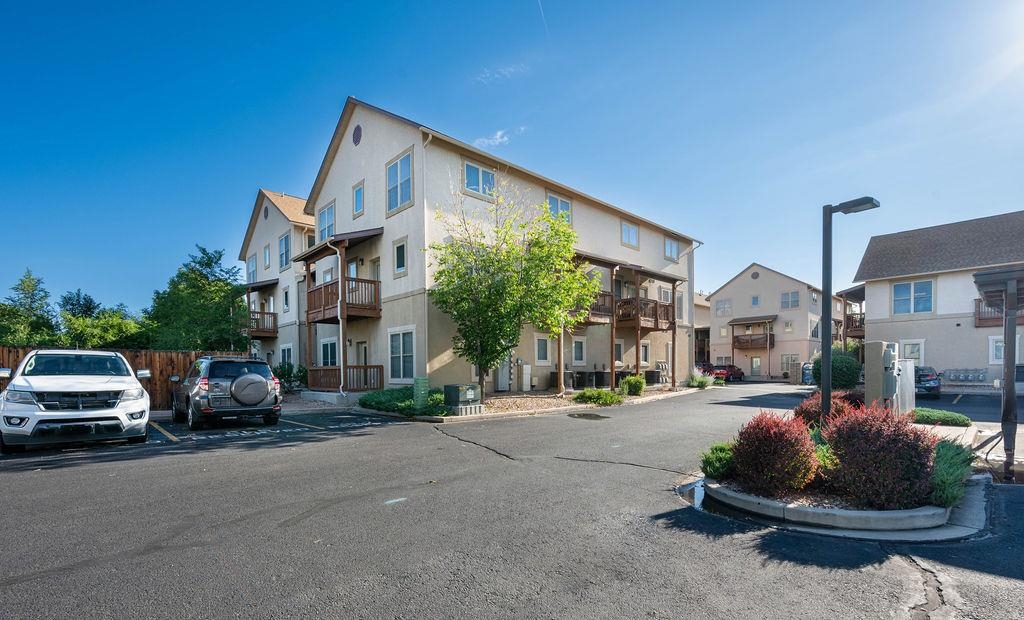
(728, 372)
(707, 369)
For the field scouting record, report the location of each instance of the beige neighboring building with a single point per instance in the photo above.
(763, 320)
(275, 289)
(701, 329)
(919, 292)
(370, 320)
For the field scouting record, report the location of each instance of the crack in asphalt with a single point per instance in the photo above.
(569, 458)
(479, 445)
(935, 598)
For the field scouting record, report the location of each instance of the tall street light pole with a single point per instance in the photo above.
(851, 206)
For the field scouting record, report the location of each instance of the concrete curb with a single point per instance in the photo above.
(926, 524)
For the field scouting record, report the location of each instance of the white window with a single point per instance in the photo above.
(912, 350)
(543, 346)
(679, 307)
(401, 258)
(755, 300)
(645, 353)
(723, 360)
(748, 329)
(328, 275)
(270, 304)
(579, 351)
(266, 256)
(995, 350)
(815, 325)
(787, 326)
(620, 346)
(402, 354)
(839, 306)
(672, 249)
(285, 298)
(814, 297)
(789, 358)
(664, 295)
(357, 200)
(559, 206)
(286, 354)
(310, 241)
(630, 234)
(329, 352)
(325, 222)
(352, 269)
(478, 179)
(284, 251)
(912, 297)
(399, 178)
(723, 332)
(790, 299)
(723, 307)
(250, 269)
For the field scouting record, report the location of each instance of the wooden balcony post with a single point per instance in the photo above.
(636, 291)
(309, 324)
(342, 312)
(675, 331)
(615, 309)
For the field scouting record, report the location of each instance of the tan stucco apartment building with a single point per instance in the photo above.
(763, 320)
(373, 207)
(919, 292)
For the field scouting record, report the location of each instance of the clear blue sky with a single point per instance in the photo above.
(128, 134)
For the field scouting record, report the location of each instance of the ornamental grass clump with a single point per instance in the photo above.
(774, 456)
(633, 385)
(718, 462)
(884, 462)
(950, 471)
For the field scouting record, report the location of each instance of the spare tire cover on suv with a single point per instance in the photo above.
(250, 389)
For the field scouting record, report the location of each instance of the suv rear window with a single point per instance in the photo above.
(231, 370)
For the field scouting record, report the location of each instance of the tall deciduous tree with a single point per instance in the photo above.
(501, 267)
(29, 318)
(202, 307)
(79, 304)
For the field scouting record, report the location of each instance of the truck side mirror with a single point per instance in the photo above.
(174, 378)
(144, 374)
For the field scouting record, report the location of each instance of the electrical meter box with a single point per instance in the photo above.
(881, 372)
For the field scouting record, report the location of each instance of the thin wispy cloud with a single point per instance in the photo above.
(498, 138)
(542, 18)
(489, 75)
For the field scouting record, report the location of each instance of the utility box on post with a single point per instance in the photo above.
(880, 366)
(906, 392)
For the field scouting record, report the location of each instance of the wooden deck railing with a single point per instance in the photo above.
(987, 317)
(361, 299)
(651, 313)
(753, 341)
(324, 378)
(364, 378)
(262, 324)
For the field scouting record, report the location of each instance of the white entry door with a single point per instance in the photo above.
(755, 366)
(503, 377)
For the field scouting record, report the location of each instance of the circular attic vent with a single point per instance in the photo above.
(357, 135)
(266, 211)
(755, 275)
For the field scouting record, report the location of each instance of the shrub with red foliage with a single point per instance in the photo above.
(884, 462)
(810, 409)
(773, 456)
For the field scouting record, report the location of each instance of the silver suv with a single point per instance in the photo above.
(218, 388)
(70, 396)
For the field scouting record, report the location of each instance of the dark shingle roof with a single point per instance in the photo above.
(995, 240)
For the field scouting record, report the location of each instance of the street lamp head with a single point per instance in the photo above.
(856, 206)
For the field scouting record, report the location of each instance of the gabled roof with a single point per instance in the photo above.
(291, 207)
(760, 266)
(346, 115)
(971, 244)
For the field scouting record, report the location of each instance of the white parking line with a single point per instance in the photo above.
(319, 428)
(957, 399)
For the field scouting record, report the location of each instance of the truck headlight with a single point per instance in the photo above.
(20, 396)
(132, 394)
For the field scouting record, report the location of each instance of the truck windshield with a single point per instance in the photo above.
(50, 364)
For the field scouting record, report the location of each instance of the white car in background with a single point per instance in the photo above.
(59, 396)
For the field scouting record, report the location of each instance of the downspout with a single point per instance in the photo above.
(341, 324)
(690, 331)
(426, 228)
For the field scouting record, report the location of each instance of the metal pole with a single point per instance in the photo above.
(826, 313)
(1009, 409)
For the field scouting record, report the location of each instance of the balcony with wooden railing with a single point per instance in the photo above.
(600, 312)
(987, 317)
(357, 378)
(753, 341)
(650, 313)
(361, 299)
(262, 324)
(854, 325)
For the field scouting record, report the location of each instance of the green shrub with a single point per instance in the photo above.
(845, 371)
(951, 468)
(717, 462)
(633, 385)
(924, 415)
(698, 381)
(774, 455)
(719, 381)
(595, 396)
(399, 400)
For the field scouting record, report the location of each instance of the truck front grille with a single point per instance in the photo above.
(77, 401)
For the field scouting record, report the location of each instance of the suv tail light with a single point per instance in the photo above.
(204, 384)
(277, 384)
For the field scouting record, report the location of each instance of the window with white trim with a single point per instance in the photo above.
(542, 349)
(912, 350)
(266, 256)
(329, 352)
(630, 234)
(478, 179)
(286, 354)
(912, 297)
(357, 200)
(723, 332)
(579, 351)
(755, 300)
(325, 222)
(723, 360)
(402, 355)
(285, 298)
(664, 295)
(284, 251)
(645, 353)
(790, 300)
(996, 350)
(400, 257)
(399, 183)
(672, 249)
(560, 206)
(789, 358)
(787, 326)
(723, 307)
(250, 269)
(619, 347)
(814, 297)
(815, 328)
(679, 307)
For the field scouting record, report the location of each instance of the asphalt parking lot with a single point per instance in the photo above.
(977, 407)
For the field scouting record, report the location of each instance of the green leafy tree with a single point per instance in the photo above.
(109, 327)
(201, 309)
(28, 317)
(79, 304)
(501, 267)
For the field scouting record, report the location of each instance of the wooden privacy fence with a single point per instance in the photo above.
(162, 364)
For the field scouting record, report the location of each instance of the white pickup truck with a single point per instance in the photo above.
(59, 396)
